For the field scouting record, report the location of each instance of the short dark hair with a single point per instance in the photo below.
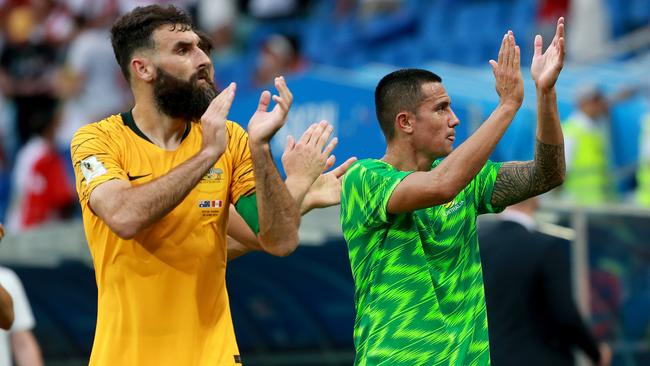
(134, 30)
(398, 91)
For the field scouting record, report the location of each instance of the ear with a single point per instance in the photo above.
(142, 68)
(404, 122)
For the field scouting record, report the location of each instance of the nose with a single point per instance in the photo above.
(453, 120)
(203, 59)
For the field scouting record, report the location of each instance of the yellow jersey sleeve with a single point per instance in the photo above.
(243, 180)
(95, 160)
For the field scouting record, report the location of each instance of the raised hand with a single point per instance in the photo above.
(509, 83)
(305, 160)
(546, 66)
(326, 190)
(264, 124)
(213, 122)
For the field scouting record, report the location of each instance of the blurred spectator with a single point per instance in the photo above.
(91, 81)
(279, 55)
(6, 309)
(643, 171)
(217, 19)
(587, 144)
(548, 11)
(41, 191)
(19, 340)
(590, 30)
(531, 314)
(6, 303)
(54, 21)
(27, 69)
(272, 9)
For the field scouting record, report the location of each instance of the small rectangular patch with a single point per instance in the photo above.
(210, 204)
(238, 359)
(92, 168)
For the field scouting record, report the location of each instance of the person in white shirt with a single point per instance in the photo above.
(18, 341)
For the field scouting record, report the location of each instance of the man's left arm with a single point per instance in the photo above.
(278, 213)
(517, 181)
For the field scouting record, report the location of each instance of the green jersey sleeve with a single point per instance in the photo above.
(367, 187)
(483, 186)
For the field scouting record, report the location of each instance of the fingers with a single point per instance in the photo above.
(511, 50)
(341, 169)
(306, 136)
(517, 57)
(291, 143)
(538, 46)
(222, 103)
(324, 131)
(502, 49)
(265, 99)
(494, 67)
(285, 99)
(329, 163)
(559, 32)
(330, 147)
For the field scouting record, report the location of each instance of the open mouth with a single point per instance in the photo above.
(451, 138)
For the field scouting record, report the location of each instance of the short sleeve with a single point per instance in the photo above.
(367, 188)
(243, 180)
(95, 160)
(483, 187)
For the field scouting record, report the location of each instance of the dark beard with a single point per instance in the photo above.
(182, 99)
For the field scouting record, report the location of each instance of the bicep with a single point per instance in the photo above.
(417, 191)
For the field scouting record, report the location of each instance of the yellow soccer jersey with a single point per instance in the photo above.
(162, 296)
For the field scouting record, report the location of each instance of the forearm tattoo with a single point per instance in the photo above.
(519, 180)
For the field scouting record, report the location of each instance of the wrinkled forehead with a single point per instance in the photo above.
(167, 36)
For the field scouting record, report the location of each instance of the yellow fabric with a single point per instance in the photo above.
(162, 296)
(587, 182)
(643, 172)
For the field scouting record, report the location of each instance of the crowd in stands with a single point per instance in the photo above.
(57, 70)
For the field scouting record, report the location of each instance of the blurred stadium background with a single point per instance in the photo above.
(299, 310)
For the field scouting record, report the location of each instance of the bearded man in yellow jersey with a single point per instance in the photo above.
(156, 184)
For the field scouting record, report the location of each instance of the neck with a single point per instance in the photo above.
(164, 131)
(403, 156)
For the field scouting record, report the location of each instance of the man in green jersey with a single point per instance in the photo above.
(410, 219)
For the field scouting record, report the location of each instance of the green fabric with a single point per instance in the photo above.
(587, 182)
(418, 280)
(247, 208)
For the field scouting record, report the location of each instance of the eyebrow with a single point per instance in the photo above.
(445, 102)
(181, 44)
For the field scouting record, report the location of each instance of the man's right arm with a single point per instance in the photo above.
(127, 209)
(441, 184)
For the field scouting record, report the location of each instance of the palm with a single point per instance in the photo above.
(546, 66)
(326, 191)
(264, 123)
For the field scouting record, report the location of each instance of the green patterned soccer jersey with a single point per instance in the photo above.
(418, 280)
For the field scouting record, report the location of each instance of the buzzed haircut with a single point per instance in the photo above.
(134, 30)
(399, 91)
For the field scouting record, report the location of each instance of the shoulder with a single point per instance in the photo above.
(111, 127)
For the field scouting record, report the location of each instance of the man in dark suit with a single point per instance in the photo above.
(532, 318)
